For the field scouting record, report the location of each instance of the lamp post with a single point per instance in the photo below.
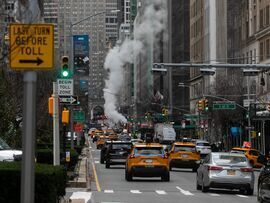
(72, 59)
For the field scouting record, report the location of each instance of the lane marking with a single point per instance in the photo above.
(96, 162)
(215, 195)
(108, 191)
(135, 191)
(244, 196)
(185, 192)
(95, 174)
(161, 192)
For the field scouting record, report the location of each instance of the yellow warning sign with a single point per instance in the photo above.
(31, 46)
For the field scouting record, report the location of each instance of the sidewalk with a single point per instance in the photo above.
(78, 190)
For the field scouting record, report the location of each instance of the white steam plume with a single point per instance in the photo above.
(153, 22)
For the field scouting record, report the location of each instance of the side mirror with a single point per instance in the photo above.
(262, 159)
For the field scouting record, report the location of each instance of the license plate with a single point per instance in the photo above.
(184, 155)
(231, 172)
(149, 166)
(148, 161)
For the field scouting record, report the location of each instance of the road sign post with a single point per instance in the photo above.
(69, 100)
(65, 87)
(224, 106)
(31, 46)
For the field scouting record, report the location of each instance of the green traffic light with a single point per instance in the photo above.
(65, 73)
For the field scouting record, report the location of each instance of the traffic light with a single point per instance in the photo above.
(65, 73)
(50, 105)
(206, 107)
(201, 105)
(65, 116)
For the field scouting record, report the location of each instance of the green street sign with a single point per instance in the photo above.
(223, 106)
(78, 116)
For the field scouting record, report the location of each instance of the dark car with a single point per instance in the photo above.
(103, 151)
(263, 194)
(117, 152)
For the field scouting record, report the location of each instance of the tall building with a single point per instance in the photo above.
(50, 15)
(7, 9)
(79, 18)
(111, 22)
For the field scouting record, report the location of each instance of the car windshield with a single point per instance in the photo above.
(238, 151)
(203, 144)
(221, 159)
(149, 151)
(184, 148)
(121, 146)
(3, 145)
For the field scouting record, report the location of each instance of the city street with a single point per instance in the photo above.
(111, 186)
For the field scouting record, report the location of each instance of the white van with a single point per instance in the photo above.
(203, 147)
(8, 154)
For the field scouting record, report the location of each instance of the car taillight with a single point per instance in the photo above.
(214, 168)
(132, 156)
(246, 169)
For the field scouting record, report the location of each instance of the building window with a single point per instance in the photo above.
(255, 24)
(261, 51)
(267, 48)
(267, 17)
(261, 18)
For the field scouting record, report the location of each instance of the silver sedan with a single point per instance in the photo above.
(225, 170)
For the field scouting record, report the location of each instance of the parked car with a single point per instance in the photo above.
(251, 154)
(117, 153)
(184, 155)
(147, 160)
(9, 154)
(203, 147)
(263, 194)
(225, 170)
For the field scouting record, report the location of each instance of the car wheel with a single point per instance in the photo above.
(102, 158)
(204, 188)
(259, 195)
(170, 167)
(166, 177)
(250, 191)
(128, 176)
(107, 165)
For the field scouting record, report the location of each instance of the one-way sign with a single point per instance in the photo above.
(68, 99)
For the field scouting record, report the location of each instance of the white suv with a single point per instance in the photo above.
(8, 154)
(203, 147)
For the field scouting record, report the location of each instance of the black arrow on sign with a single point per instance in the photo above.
(38, 61)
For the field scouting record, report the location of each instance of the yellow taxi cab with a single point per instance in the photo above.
(101, 141)
(147, 160)
(251, 154)
(113, 136)
(184, 155)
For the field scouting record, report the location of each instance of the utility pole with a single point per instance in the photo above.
(28, 12)
(56, 139)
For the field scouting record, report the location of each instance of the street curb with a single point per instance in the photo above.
(81, 181)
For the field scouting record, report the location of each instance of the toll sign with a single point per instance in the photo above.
(31, 46)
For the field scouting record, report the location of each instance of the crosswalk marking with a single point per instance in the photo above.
(135, 191)
(108, 191)
(161, 192)
(244, 196)
(185, 192)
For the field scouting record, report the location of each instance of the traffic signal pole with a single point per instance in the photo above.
(56, 141)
